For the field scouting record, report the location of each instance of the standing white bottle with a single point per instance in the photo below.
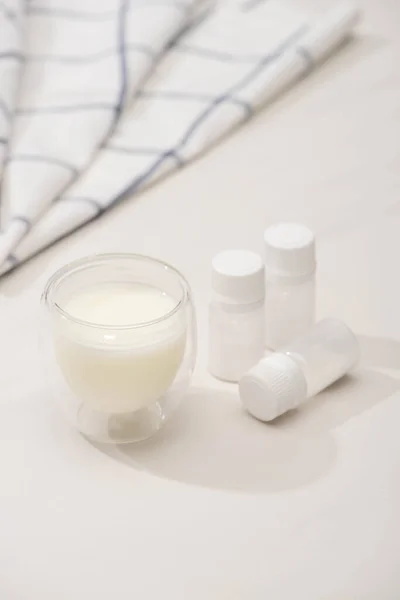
(290, 266)
(236, 314)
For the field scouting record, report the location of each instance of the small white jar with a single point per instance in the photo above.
(236, 314)
(290, 283)
(285, 379)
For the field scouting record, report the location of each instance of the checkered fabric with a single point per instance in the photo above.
(116, 95)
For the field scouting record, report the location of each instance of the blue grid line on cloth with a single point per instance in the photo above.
(207, 53)
(117, 108)
(139, 151)
(122, 14)
(141, 94)
(44, 159)
(66, 13)
(258, 68)
(144, 151)
(46, 11)
(97, 205)
(187, 96)
(91, 58)
(226, 97)
(67, 109)
(101, 209)
(173, 153)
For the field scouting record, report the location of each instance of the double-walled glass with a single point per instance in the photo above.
(118, 383)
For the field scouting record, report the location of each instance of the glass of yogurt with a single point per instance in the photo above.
(120, 344)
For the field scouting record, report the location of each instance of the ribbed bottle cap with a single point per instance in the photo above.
(289, 250)
(238, 275)
(275, 385)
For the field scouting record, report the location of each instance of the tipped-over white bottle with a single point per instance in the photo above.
(285, 379)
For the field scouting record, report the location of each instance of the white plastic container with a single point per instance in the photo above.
(284, 380)
(236, 314)
(290, 283)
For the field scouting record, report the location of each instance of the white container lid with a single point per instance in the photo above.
(289, 251)
(238, 276)
(275, 385)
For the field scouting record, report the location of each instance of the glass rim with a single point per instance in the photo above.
(81, 263)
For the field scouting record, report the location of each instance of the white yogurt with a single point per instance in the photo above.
(109, 366)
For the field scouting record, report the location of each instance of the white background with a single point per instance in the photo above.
(220, 506)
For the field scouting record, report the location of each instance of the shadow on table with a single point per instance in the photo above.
(353, 394)
(212, 442)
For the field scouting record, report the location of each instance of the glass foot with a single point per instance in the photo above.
(122, 428)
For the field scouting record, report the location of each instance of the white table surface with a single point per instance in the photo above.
(221, 506)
